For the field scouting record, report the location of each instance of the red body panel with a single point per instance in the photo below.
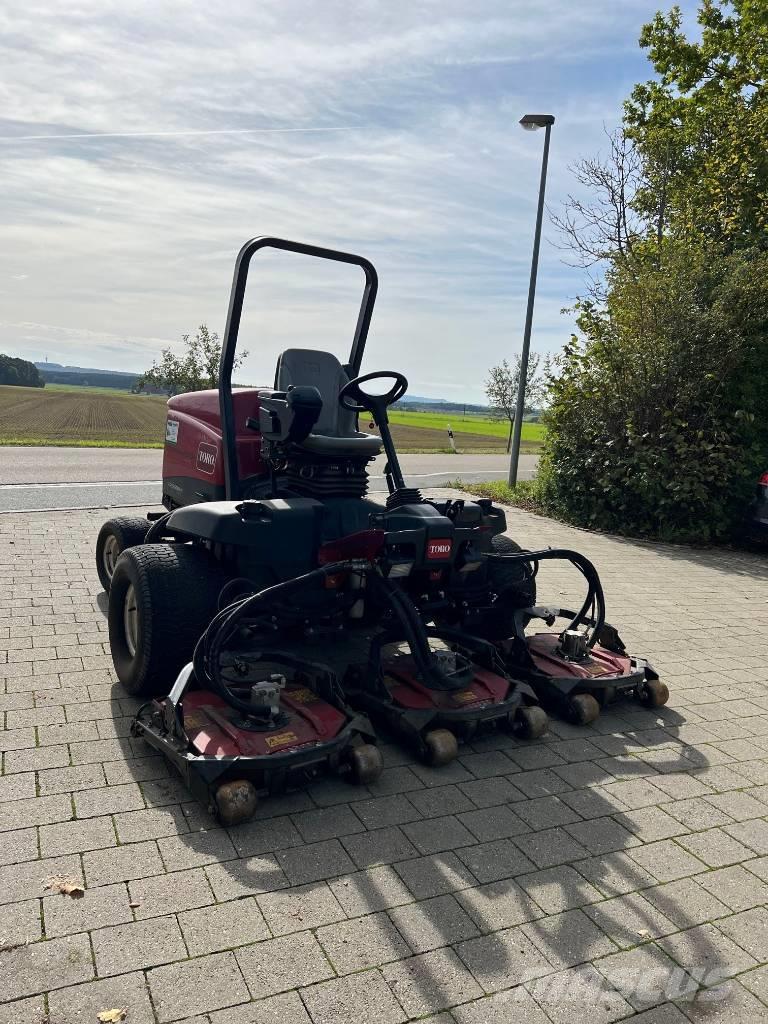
(197, 451)
(601, 664)
(400, 677)
(208, 723)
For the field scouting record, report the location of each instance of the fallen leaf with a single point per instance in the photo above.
(112, 1016)
(65, 886)
(134, 905)
(644, 933)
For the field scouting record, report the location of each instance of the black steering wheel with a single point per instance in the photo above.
(353, 398)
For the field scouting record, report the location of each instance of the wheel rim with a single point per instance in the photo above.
(131, 620)
(110, 555)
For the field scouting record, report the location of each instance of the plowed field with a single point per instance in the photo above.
(116, 419)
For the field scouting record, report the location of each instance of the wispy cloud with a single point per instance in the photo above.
(141, 145)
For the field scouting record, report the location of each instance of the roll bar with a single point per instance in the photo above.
(229, 346)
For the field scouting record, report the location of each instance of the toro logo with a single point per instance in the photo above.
(439, 549)
(206, 458)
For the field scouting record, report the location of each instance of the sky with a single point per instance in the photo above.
(141, 144)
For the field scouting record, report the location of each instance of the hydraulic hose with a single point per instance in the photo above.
(595, 595)
(224, 625)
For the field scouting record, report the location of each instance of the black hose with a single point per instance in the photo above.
(416, 636)
(225, 623)
(595, 596)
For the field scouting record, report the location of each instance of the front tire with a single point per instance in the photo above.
(114, 537)
(161, 600)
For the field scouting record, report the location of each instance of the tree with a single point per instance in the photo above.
(705, 117)
(658, 421)
(658, 424)
(502, 384)
(20, 372)
(196, 370)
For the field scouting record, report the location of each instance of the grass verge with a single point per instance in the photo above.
(523, 495)
(58, 442)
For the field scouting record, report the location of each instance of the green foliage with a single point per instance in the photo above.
(20, 373)
(195, 370)
(658, 423)
(502, 384)
(701, 125)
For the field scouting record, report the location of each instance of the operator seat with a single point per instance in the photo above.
(335, 432)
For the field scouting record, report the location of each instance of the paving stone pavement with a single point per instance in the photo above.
(611, 870)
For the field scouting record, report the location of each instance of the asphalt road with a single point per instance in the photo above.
(36, 479)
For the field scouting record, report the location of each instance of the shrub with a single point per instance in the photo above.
(658, 423)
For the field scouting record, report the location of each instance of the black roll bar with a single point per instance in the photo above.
(229, 346)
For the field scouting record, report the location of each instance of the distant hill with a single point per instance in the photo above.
(86, 377)
(90, 376)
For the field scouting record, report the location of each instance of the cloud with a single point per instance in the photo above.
(200, 127)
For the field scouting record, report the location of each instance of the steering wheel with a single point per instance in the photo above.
(353, 398)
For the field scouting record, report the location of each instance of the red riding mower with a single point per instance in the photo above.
(581, 667)
(275, 607)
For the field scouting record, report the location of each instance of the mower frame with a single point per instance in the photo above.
(232, 491)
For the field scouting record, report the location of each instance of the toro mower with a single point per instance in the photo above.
(275, 608)
(582, 666)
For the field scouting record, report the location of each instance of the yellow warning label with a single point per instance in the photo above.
(282, 739)
(594, 668)
(464, 696)
(302, 695)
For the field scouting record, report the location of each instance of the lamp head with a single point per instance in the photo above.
(532, 122)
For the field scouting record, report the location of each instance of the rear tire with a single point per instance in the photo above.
(114, 537)
(514, 585)
(162, 598)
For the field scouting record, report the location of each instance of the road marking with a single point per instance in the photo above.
(101, 483)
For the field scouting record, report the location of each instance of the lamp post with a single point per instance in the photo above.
(531, 123)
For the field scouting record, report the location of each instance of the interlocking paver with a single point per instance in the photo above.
(130, 947)
(362, 943)
(82, 1002)
(97, 908)
(555, 851)
(498, 905)
(435, 875)
(578, 993)
(515, 1006)
(224, 926)
(750, 930)
(20, 923)
(503, 959)
(490, 862)
(430, 982)
(315, 861)
(350, 999)
(375, 889)
(284, 963)
(170, 894)
(135, 860)
(306, 906)
(433, 923)
(286, 1008)
(629, 920)
(55, 963)
(568, 939)
(77, 836)
(204, 983)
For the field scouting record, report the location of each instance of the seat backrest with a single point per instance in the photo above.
(307, 366)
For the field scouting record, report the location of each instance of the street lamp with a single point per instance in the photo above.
(531, 123)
